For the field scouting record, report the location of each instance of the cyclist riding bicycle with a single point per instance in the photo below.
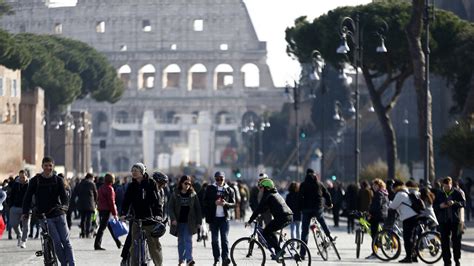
(313, 195)
(282, 214)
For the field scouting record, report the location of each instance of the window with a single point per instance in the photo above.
(14, 89)
(198, 25)
(173, 46)
(146, 25)
(58, 28)
(123, 48)
(1, 87)
(100, 27)
(224, 47)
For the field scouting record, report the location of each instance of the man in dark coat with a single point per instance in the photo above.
(86, 196)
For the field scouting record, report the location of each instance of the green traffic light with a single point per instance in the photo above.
(238, 175)
(333, 178)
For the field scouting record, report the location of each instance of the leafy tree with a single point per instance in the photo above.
(457, 144)
(67, 70)
(386, 74)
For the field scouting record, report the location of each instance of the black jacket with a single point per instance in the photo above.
(274, 202)
(450, 214)
(210, 198)
(311, 195)
(142, 199)
(17, 194)
(86, 194)
(50, 196)
(378, 208)
(292, 202)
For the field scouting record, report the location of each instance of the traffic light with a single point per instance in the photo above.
(333, 177)
(237, 173)
(302, 134)
(103, 144)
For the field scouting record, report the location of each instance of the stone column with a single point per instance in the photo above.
(148, 138)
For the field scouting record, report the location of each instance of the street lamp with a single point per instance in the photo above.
(351, 28)
(296, 102)
(261, 128)
(426, 19)
(406, 122)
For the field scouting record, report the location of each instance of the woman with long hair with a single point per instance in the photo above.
(186, 217)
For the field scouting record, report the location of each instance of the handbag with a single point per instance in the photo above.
(119, 228)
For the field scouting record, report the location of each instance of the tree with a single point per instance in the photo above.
(68, 70)
(457, 144)
(387, 70)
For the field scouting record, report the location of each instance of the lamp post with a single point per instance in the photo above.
(261, 128)
(351, 28)
(296, 103)
(406, 122)
(426, 19)
(319, 74)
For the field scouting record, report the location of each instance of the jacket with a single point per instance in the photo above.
(365, 197)
(402, 204)
(17, 194)
(50, 196)
(450, 214)
(292, 202)
(210, 198)
(106, 199)
(86, 196)
(311, 195)
(379, 205)
(142, 200)
(275, 203)
(194, 215)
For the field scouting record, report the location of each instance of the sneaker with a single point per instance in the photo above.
(23, 244)
(99, 248)
(191, 263)
(405, 260)
(371, 257)
(216, 263)
(414, 259)
(226, 262)
(18, 243)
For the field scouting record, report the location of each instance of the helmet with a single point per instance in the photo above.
(267, 183)
(159, 229)
(160, 177)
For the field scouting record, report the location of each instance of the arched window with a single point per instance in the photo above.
(124, 75)
(223, 118)
(223, 77)
(197, 77)
(146, 77)
(99, 124)
(251, 75)
(171, 76)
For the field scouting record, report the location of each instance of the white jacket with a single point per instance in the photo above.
(402, 203)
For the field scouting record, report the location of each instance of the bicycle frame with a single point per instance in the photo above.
(47, 246)
(257, 235)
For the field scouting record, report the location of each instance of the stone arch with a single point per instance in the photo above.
(122, 164)
(223, 77)
(251, 75)
(124, 73)
(197, 77)
(170, 115)
(100, 124)
(146, 77)
(171, 76)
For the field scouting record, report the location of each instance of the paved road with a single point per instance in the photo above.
(85, 254)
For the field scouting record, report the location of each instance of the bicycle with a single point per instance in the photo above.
(47, 245)
(250, 250)
(140, 244)
(323, 243)
(363, 227)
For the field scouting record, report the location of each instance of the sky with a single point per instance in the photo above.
(270, 19)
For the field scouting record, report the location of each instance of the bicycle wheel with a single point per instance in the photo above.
(319, 239)
(49, 255)
(295, 252)
(333, 245)
(428, 247)
(358, 241)
(386, 245)
(247, 251)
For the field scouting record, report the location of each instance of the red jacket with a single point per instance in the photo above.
(107, 199)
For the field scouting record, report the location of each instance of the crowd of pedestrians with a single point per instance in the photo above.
(186, 203)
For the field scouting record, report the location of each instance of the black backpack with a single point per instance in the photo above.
(417, 203)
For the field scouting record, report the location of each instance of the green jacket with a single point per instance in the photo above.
(194, 216)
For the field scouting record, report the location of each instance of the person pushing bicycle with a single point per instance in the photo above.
(282, 214)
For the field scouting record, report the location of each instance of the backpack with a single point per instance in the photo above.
(417, 203)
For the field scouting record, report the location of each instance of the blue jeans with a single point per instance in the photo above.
(59, 232)
(295, 229)
(185, 243)
(220, 225)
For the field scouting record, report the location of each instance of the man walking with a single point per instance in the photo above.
(51, 199)
(218, 200)
(86, 194)
(17, 194)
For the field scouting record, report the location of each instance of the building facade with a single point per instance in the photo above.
(195, 75)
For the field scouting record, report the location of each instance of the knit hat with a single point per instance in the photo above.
(141, 167)
(219, 173)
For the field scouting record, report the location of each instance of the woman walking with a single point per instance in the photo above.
(106, 208)
(186, 217)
